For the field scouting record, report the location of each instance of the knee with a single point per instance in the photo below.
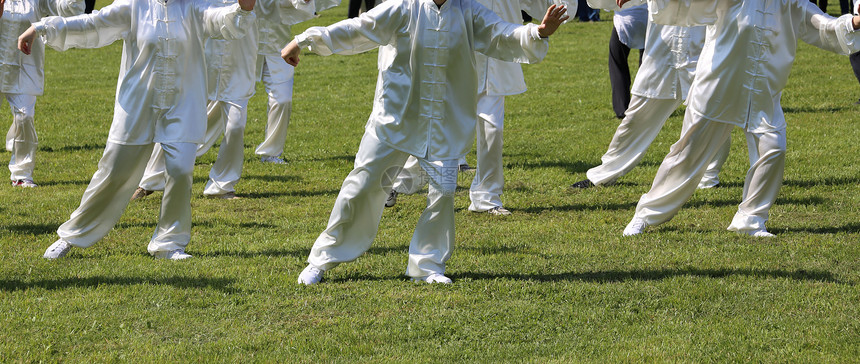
(281, 93)
(179, 170)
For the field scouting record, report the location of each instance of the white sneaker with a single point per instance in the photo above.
(635, 227)
(498, 211)
(224, 196)
(392, 199)
(28, 183)
(58, 249)
(760, 233)
(272, 159)
(177, 254)
(310, 275)
(433, 278)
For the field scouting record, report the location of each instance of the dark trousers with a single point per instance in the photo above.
(822, 4)
(845, 6)
(355, 6)
(619, 74)
(89, 5)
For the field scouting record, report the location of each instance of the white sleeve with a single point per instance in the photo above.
(824, 31)
(95, 30)
(506, 41)
(226, 22)
(610, 5)
(351, 36)
(687, 12)
(296, 11)
(61, 7)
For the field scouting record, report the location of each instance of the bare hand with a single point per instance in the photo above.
(855, 22)
(555, 15)
(2, 4)
(25, 41)
(247, 5)
(290, 53)
(621, 2)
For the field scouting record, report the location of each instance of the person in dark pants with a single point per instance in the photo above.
(89, 5)
(619, 74)
(355, 7)
(586, 13)
(822, 4)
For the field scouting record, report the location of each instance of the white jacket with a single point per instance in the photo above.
(425, 102)
(749, 49)
(21, 73)
(161, 91)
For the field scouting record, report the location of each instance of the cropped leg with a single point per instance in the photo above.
(107, 195)
(227, 169)
(154, 175)
(174, 221)
(278, 79)
(712, 173)
(24, 142)
(433, 239)
(763, 181)
(358, 208)
(683, 168)
(640, 126)
(486, 190)
(619, 74)
(216, 121)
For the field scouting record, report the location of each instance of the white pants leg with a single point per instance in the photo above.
(154, 175)
(355, 217)
(643, 121)
(712, 173)
(216, 121)
(227, 169)
(24, 142)
(763, 181)
(433, 240)
(107, 195)
(278, 78)
(486, 189)
(174, 221)
(683, 168)
(411, 178)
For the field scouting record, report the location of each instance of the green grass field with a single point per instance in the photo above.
(554, 282)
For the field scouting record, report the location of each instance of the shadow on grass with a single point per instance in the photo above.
(221, 284)
(579, 207)
(346, 158)
(301, 252)
(74, 148)
(810, 109)
(830, 181)
(570, 167)
(302, 193)
(806, 201)
(660, 274)
(847, 228)
(272, 178)
(35, 229)
(61, 182)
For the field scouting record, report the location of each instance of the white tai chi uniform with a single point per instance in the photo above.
(496, 79)
(231, 69)
(160, 97)
(749, 49)
(22, 77)
(425, 105)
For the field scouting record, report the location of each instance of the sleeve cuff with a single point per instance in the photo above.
(41, 29)
(302, 41)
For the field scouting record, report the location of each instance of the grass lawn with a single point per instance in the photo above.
(554, 282)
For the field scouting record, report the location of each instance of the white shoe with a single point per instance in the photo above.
(498, 211)
(392, 199)
(635, 227)
(224, 196)
(310, 275)
(760, 233)
(58, 249)
(272, 159)
(433, 278)
(28, 183)
(177, 254)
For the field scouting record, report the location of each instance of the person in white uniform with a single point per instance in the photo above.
(231, 67)
(744, 66)
(425, 106)
(663, 81)
(161, 97)
(22, 78)
(496, 79)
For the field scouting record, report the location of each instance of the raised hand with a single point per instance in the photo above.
(555, 15)
(290, 53)
(247, 5)
(25, 41)
(621, 2)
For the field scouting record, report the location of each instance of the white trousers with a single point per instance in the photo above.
(683, 167)
(355, 217)
(277, 77)
(643, 121)
(486, 189)
(114, 182)
(223, 118)
(21, 138)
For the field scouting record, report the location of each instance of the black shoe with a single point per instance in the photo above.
(582, 184)
(857, 103)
